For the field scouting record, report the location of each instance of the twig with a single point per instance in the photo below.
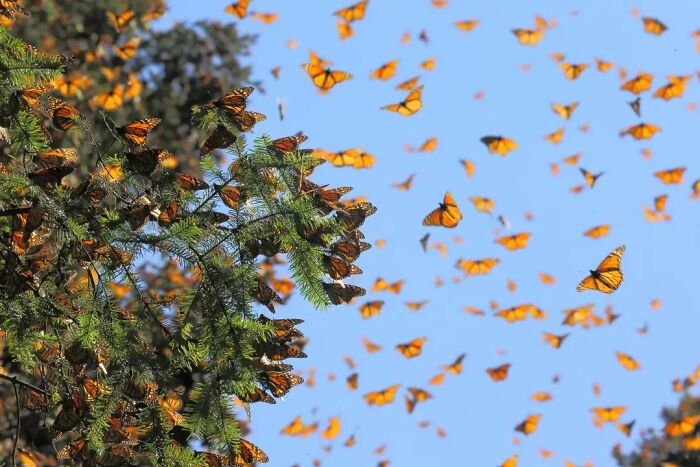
(15, 380)
(19, 422)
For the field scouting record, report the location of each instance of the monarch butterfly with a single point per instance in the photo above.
(446, 215)
(590, 177)
(50, 176)
(258, 395)
(248, 453)
(352, 217)
(370, 346)
(639, 84)
(235, 101)
(325, 78)
(682, 427)
(671, 176)
(280, 383)
(221, 137)
(455, 367)
(121, 20)
(671, 90)
(429, 64)
(608, 414)
(483, 204)
(145, 161)
(544, 24)
(289, 143)
(230, 195)
(56, 157)
(415, 306)
(417, 395)
(337, 268)
(516, 313)
(571, 70)
(353, 12)
(499, 144)
(654, 216)
(636, 106)
(641, 131)
(564, 111)
(466, 25)
(514, 242)
(63, 116)
(137, 132)
(603, 65)
(413, 348)
(382, 285)
(30, 96)
(626, 361)
(607, 277)
(350, 250)
(547, 279)
(363, 160)
(128, 50)
(382, 397)
(385, 71)
(238, 9)
(410, 105)
(541, 397)
(352, 382)
(111, 99)
(512, 461)
(499, 373)
(372, 308)
(555, 340)
(528, 36)
(71, 84)
(477, 266)
(654, 26)
(529, 425)
(660, 202)
(267, 18)
(245, 121)
(405, 185)
(598, 231)
(409, 84)
(343, 293)
(344, 29)
(333, 428)
(579, 315)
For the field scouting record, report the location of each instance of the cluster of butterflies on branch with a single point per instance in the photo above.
(605, 277)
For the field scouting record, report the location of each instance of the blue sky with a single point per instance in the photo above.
(478, 414)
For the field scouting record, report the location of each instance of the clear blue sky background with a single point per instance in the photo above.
(661, 259)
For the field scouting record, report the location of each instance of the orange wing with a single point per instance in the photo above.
(446, 215)
(608, 276)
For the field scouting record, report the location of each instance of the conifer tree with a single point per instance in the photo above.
(103, 370)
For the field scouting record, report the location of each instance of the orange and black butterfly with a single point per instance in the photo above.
(235, 101)
(288, 143)
(353, 12)
(337, 268)
(564, 111)
(385, 396)
(371, 308)
(410, 105)
(607, 277)
(56, 157)
(30, 96)
(190, 183)
(499, 144)
(456, 367)
(248, 453)
(514, 242)
(230, 195)
(137, 132)
(466, 25)
(145, 161)
(671, 176)
(529, 425)
(352, 382)
(528, 36)
(343, 293)
(245, 121)
(654, 26)
(572, 70)
(555, 340)
(280, 383)
(446, 215)
(641, 131)
(111, 99)
(63, 116)
(325, 78)
(350, 250)
(590, 177)
(238, 9)
(50, 176)
(608, 414)
(385, 71)
(413, 348)
(221, 137)
(128, 50)
(477, 266)
(352, 217)
(498, 373)
(120, 20)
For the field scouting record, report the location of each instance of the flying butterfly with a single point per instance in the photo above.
(455, 367)
(598, 231)
(446, 215)
(564, 111)
(110, 100)
(382, 397)
(477, 266)
(671, 176)
(607, 277)
(571, 70)
(466, 25)
(385, 71)
(413, 348)
(529, 425)
(499, 144)
(325, 78)
(641, 131)
(410, 105)
(137, 132)
(239, 9)
(354, 12)
(638, 84)
(514, 242)
(654, 26)
(498, 373)
(590, 177)
(528, 36)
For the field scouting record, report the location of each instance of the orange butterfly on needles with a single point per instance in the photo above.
(607, 277)
(410, 105)
(446, 215)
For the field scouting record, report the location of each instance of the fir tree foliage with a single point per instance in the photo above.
(119, 372)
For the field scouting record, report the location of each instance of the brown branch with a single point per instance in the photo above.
(13, 211)
(15, 380)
